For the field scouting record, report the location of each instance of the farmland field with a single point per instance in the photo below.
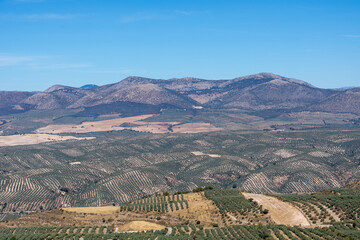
(348, 230)
(30, 139)
(328, 206)
(119, 167)
(281, 212)
(207, 214)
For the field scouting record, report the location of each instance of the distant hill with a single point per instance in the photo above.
(13, 98)
(258, 92)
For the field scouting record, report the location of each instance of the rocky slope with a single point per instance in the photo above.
(343, 102)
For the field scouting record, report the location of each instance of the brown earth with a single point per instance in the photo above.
(140, 226)
(93, 210)
(280, 212)
(104, 217)
(200, 209)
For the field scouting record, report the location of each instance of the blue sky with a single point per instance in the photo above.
(76, 42)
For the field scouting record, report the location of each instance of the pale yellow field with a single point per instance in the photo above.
(134, 123)
(200, 208)
(197, 153)
(280, 212)
(30, 139)
(93, 210)
(140, 226)
(97, 126)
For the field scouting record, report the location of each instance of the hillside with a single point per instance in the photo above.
(355, 185)
(56, 97)
(13, 98)
(205, 214)
(117, 167)
(12, 102)
(348, 101)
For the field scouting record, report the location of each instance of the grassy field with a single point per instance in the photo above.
(93, 210)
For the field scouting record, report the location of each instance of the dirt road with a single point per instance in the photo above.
(280, 212)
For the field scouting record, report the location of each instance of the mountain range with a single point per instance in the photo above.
(258, 92)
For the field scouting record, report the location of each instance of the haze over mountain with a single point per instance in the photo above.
(262, 91)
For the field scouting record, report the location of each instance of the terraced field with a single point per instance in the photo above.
(119, 167)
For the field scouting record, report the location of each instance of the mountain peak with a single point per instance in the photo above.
(266, 75)
(136, 79)
(133, 80)
(56, 87)
(186, 79)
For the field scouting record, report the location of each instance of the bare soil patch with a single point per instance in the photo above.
(30, 139)
(93, 210)
(197, 153)
(200, 209)
(96, 126)
(140, 226)
(280, 212)
(131, 123)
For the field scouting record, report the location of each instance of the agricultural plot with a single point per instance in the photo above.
(135, 123)
(231, 201)
(329, 206)
(30, 139)
(117, 168)
(279, 211)
(235, 208)
(157, 203)
(344, 231)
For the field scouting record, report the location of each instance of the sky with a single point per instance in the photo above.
(78, 42)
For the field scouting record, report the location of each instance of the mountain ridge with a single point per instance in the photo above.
(256, 92)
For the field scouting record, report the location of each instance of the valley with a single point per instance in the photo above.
(179, 120)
